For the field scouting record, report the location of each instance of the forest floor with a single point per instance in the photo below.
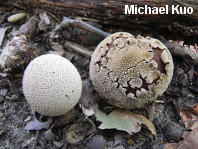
(15, 113)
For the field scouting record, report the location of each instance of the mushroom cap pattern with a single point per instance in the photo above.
(51, 85)
(129, 72)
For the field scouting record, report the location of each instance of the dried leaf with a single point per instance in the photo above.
(44, 17)
(190, 117)
(194, 109)
(34, 124)
(49, 135)
(66, 118)
(87, 112)
(87, 101)
(171, 146)
(190, 142)
(78, 131)
(191, 73)
(124, 120)
(2, 33)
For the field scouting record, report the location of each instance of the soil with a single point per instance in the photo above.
(15, 112)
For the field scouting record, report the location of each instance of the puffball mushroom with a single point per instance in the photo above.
(51, 85)
(129, 72)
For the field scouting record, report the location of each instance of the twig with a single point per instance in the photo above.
(36, 140)
(37, 132)
(79, 49)
(53, 16)
(182, 51)
(78, 23)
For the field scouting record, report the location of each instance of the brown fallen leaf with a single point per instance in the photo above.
(124, 120)
(190, 142)
(171, 146)
(194, 109)
(190, 117)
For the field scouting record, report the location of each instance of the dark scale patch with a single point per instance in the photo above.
(155, 80)
(129, 89)
(157, 57)
(99, 63)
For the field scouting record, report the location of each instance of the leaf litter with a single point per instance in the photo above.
(190, 142)
(190, 119)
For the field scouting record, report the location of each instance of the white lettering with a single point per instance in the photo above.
(190, 10)
(135, 9)
(155, 10)
(129, 10)
(147, 10)
(175, 9)
(166, 9)
(181, 10)
(161, 10)
(139, 10)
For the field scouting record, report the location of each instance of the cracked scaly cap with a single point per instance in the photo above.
(130, 72)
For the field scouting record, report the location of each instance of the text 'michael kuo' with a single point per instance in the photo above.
(175, 9)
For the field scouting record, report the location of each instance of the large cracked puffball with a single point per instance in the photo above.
(51, 85)
(130, 72)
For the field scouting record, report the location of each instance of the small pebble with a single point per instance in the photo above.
(118, 139)
(119, 147)
(110, 144)
(16, 17)
(3, 92)
(173, 131)
(58, 144)
(130, 142)
(1, 132)
(1, 99)
(49, 135)
(96, 142)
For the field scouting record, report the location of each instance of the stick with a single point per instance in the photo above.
(79, 49)
(78, 23)
(182, 51)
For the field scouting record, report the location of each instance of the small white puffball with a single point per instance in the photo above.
(51, 85)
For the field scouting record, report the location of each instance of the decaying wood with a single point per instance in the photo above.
(183, 52)
(175, 49)
(112, 12)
